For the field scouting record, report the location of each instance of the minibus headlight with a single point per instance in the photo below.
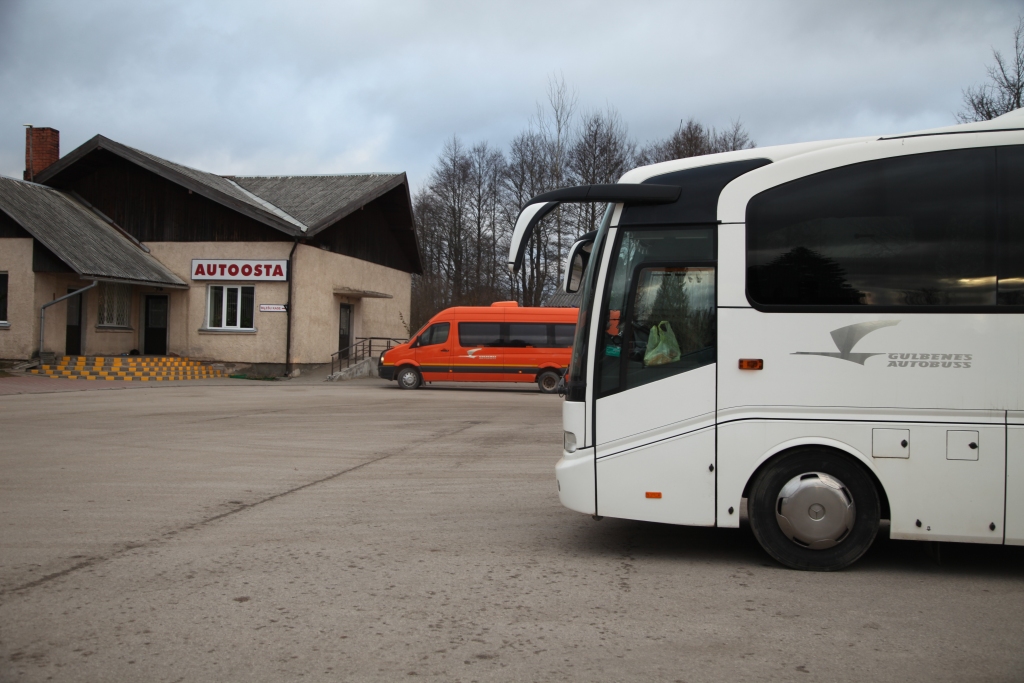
(569, 442)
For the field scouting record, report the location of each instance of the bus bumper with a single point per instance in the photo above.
(574, 474)
(385, 371)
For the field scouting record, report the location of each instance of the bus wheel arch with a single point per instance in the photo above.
(408, 377)
(813, 507)
(840, 450)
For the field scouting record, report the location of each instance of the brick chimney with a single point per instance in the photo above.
(42, 148)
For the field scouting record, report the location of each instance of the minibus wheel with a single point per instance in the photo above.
(814, 509)
(408, 378)
(548, 382)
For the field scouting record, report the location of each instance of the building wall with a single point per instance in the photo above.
(317, 274)
(18, 341)
(188, 308)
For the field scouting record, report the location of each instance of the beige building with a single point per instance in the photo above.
(273, 272)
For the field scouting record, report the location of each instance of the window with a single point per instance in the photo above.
(479, 334)
(230, 307)
(115, 305)
(658, 316)
(528, 334)
(3, 297)
(435, 334)
(564, 335)
(937, 229)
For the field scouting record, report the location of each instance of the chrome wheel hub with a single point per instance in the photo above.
(815, 510)
(408, 379)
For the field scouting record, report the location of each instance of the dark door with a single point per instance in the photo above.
(345, 330)
(155, 332)
(73, 336)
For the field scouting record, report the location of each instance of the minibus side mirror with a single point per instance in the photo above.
(576, 263)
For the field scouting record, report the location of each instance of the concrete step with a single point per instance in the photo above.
(128, 368)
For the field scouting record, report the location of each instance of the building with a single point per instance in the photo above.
(276, 272)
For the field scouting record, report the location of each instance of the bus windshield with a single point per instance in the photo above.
(576, 381)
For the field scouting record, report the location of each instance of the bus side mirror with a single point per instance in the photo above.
(576, 263)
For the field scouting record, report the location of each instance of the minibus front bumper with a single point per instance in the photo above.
(574, 474)
(385, 371)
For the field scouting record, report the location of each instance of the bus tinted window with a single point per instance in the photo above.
(916, 230)
(1011, 225)
(564, 335)
(480, 334)
(528, 334)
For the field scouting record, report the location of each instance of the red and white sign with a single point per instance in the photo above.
(270, 270)
(273, 308)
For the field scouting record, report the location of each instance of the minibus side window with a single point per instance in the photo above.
(564, 334)
(528, 334)
(435, 334)
(479, 334)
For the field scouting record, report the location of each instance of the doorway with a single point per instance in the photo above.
(344, 330)
(155, 327)
(73, 335)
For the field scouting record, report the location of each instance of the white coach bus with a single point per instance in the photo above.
(832, 332)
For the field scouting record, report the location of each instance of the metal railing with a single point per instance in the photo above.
(363, 348)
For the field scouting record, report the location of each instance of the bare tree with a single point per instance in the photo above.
(601, 152)
(692, 139)
(554, 123)
(1003, 92)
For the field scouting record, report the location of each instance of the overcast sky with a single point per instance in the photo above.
(333, 87)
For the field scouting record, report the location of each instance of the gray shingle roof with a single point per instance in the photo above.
(320, 200)
(562, 300)
(91, 247)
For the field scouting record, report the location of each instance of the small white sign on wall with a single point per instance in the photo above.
(273, 308)
(263, 270)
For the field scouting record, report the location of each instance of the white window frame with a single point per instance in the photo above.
(114, 305)
(222, 324)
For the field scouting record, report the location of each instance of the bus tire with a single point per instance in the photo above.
(408, 378)
(814, 509)
(547, 382)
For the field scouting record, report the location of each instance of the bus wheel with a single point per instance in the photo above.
(408, 378)
(548, 382)
(814, 509)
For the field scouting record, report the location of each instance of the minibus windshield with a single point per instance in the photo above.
(576, 381)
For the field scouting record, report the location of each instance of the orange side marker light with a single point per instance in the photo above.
(751, 364)
(654, 494)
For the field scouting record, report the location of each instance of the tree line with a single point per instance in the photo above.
(467, 209)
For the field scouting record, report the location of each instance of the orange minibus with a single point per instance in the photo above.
(503, 342)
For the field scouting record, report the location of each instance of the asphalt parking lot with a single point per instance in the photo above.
(278, 531)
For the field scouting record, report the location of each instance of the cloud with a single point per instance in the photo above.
(308, 87)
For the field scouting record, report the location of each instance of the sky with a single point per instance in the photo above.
(306, 87)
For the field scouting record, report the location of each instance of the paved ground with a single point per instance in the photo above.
(249, 531)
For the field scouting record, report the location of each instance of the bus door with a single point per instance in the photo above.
(655, 378)
(527, 345)
(434, 352)
(479, 354)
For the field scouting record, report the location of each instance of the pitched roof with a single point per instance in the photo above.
(79, 238)
(296, 205)
(320, 200)
(217, 188)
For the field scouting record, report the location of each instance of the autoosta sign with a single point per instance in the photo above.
(272, 270)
